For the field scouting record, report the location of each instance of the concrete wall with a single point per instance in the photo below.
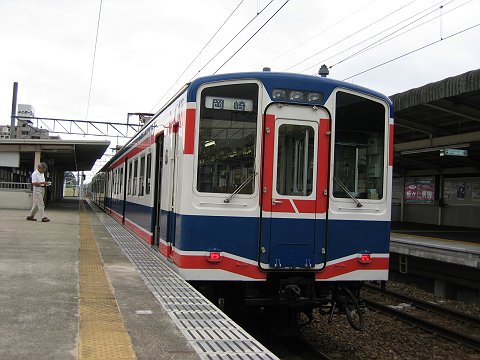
(15, 199)
(421, 213)
(457, 215)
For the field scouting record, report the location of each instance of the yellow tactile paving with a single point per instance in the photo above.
(102, 332)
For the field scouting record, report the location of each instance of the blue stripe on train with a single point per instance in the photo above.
(239, 235)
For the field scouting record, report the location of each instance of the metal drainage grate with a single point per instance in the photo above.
(210, 332)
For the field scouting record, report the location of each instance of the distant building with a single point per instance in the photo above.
(4, 132)
(24, 128)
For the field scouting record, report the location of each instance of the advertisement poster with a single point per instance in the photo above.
(420, 190)
(476, 191)
(461, 190)
(449, 190)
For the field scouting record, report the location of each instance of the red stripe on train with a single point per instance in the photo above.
(254, 272)
(189, 132)
(351, 265)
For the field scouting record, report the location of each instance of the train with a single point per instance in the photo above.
(264, 190)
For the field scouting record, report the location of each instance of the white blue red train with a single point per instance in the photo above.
(263, 188)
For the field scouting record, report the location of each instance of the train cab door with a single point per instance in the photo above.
(294, 187)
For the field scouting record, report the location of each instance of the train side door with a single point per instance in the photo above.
(158, 192)
(173, 173)
(294, 183)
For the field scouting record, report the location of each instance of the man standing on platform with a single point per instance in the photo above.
(39, 183)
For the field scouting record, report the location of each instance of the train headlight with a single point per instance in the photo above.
(279, 94)
(314, 97)
(296, 95)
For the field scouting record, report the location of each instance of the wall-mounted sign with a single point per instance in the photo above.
(453, 152)
(420, 190)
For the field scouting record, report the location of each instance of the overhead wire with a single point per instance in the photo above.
(320, 32)
(93, 61)
(413, 51)
(233, 38)
(351, 35)
(196, 57)
(383, 31)
(389, 37)
(251, 37)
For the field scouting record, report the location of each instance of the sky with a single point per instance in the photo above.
(144, 48)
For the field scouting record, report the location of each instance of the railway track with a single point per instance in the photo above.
(453, 325)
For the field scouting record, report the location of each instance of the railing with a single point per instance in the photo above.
(15, 186)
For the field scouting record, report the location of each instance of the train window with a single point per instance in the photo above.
(121, 180)
(359, 147)
(142, 176)
(227, 138)
(129, 183)
(135, 174)
(115, 182)
(149, 173)
(295, 160)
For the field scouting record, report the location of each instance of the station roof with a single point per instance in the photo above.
(437, 116)
(71, 155)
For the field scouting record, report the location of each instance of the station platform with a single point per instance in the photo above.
(443, 260)
(82, 287)
(460, 246)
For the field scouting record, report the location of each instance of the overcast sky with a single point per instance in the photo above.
(143, 47)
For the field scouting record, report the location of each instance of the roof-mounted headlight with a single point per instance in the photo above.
(314, 97)
(279, 94)
(296, 95)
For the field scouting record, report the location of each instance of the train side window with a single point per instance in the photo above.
(129, 183)
(135, 177)
(227, 138)
(295, 160)
(149, 173)
(359, 147)
(115, 182)
(142, 176)
(121, 180)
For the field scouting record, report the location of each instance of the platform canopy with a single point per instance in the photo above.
(433, 120)
(70, 155)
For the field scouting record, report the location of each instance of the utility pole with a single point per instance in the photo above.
(13, 133)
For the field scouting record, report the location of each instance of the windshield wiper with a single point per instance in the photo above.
(344, 188)
(238, 189)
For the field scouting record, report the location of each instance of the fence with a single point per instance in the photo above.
(15, 186)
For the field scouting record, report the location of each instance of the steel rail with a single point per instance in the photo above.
(425, 325)
(428, 306)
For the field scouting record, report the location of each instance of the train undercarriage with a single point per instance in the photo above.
(284, 297)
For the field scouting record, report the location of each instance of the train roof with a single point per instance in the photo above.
(273, 80)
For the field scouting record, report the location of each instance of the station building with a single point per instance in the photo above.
(437, 153)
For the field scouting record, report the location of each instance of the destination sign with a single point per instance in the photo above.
(222, 103)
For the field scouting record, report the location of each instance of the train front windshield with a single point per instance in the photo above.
(227, 138)
(359, 147)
